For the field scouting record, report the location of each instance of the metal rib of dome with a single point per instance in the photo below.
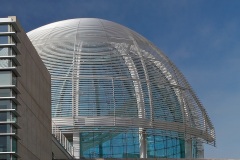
(107, 77)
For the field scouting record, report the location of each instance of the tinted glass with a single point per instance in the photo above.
(14, 129)
(5, 104)
(4, 39)
(14, 80)
(4, 116)
(14, 105)
(5, 51)
(14, 145)
(4, 143)
(4, 157)
(5, 63)
(5, 77)
(5, 92)
(3, 28)
(4, 128)
(14, 117)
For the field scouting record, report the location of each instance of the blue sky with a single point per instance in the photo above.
(202, 37)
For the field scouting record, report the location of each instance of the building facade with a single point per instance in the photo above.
(116, 95)
(25, 97)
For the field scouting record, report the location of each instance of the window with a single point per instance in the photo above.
(5, 63)
(14, 144)
(4, 128)
(4, 39)
(4, 28)
(14, 129)
(13, 53)
(4, 156)
(14, 105)
(14, 158)
(5, 116)
(7, 40)
(5, 77)
(14, 80)
(4, 143)
(14, 118)
(5, 92)
(14, 94)
(5, 51)
(5, 104)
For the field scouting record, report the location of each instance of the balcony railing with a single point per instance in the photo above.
(62, 139)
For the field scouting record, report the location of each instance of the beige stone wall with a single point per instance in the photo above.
(35, 104)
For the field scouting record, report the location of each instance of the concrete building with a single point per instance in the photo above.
(25, 97)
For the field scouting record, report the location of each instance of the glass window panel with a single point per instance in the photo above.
(5, 63)
(13, 64)
(14, 94)
(5, 116)
(14, 80)
(5, 104)
(5, 128)
(5, 77)
(14, 129)
(14, 158)
(4, 156)
(109, 145)
(7, 40)
(14, 117)
(5, 51)
(5, 92)
(4, 28)
(14, 144)
(14, 105)
(4, 39)
(12, 52)
(4, 144)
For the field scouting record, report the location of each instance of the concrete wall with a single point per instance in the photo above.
(35, 104)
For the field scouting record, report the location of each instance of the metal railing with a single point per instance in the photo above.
(62, 139)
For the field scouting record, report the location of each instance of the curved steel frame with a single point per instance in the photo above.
(114, 77)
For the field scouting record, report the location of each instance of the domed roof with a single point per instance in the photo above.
(104, 74)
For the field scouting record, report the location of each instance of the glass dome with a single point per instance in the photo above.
(116, 95)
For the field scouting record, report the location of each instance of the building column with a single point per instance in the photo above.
(76, 145)
(142, 144)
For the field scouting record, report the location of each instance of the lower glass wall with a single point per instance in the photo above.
(165, 147)
(126, 145)
(109, 145)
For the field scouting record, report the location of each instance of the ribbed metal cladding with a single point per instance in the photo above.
(108, 77)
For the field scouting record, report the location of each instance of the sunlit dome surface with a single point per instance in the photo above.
(111, 87)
